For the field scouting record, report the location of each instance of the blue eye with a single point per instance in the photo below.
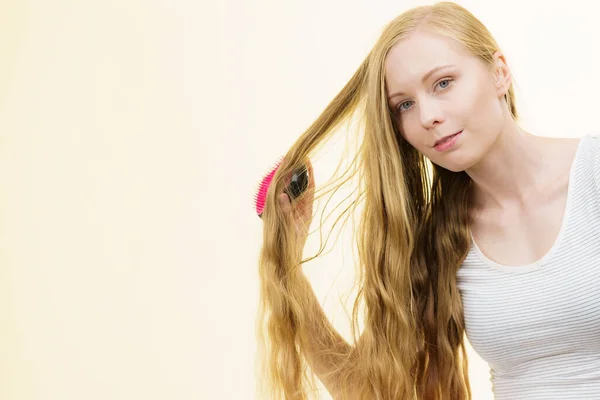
(400, 106)
(442, 81)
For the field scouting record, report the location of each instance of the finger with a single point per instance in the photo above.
(284, 202)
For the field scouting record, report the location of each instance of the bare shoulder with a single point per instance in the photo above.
(561, 152)
(564, 147)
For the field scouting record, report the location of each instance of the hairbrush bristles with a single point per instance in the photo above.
(260, 196)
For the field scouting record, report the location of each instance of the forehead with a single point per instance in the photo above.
(412, 57)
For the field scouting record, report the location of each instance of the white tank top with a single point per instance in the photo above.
(538, 325)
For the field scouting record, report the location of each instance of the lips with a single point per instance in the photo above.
(445, 138)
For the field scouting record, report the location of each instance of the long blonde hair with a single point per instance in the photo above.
(413, 235)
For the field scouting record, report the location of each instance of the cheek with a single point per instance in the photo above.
(487, 111)
(477, 107)
(410, 129)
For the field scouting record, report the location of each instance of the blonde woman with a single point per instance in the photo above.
(470, 225)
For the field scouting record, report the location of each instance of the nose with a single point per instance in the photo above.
(430, 113)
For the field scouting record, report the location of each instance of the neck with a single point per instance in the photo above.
(514, 169)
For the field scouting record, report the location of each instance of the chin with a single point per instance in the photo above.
(457, 169)
(459, 166)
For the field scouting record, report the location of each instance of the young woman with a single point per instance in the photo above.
(470, 225)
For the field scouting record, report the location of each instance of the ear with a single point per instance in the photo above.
(502, 76)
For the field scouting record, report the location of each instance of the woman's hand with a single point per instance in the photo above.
(300, 209)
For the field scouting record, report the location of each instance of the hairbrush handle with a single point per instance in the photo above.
(298, 183)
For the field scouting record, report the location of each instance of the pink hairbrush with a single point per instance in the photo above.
(297, 185)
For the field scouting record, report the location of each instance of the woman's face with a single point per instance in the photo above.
(436, 88)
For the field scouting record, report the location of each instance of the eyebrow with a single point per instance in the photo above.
(425, 77)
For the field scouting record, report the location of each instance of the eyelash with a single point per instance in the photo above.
(449, 80)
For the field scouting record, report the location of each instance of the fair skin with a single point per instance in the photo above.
(520, 180)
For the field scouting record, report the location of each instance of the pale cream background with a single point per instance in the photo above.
(132, 134)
